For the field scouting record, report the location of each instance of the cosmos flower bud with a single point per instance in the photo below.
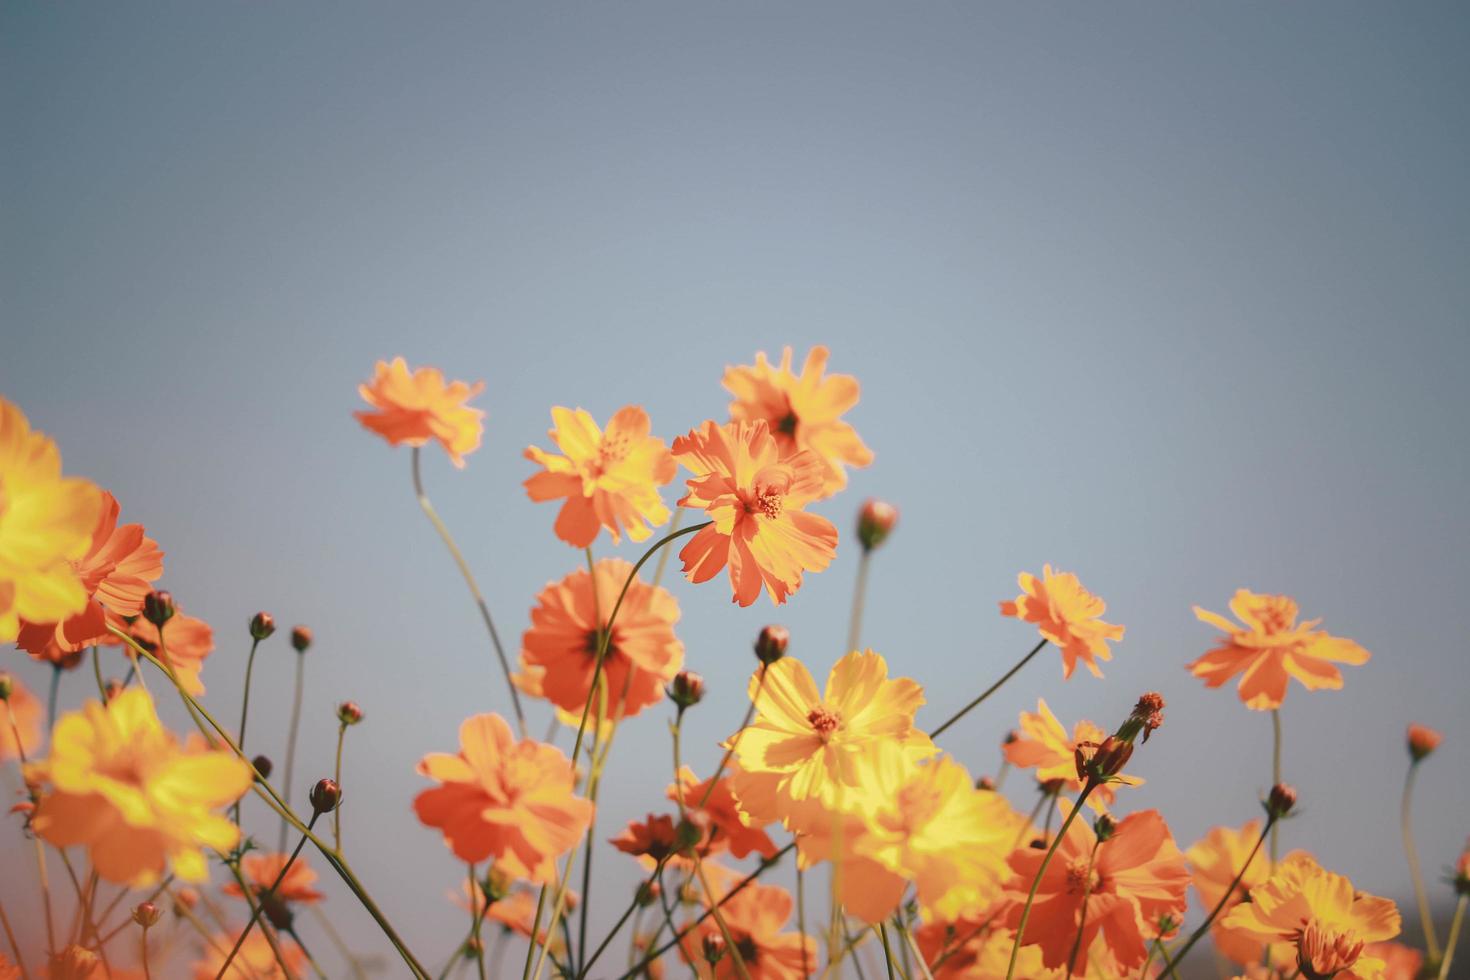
(1051, 787)
(7, 687)
(300, 638)
(985, 783)
(263, 765)
(146, 914)
(348, 713)
(184, 900)
(1011, 738)
(1280, 801)
(262, 625)
(158, 607)
(473, 948)
(113, 689)
(1460, 880)
(713, 948)
(687, 689)
(648, 893)
(691, 830)
(1422, 741)
(771, 645)
(325, 796)
(1100, 762)
(875, 522)
(496, 885)
(1150, 711)
(1104, 827)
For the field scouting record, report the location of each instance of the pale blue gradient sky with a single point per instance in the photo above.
(1172, 296)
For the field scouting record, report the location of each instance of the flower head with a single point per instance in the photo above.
(119, 784)
(46, 527)
(608, 478)
(1065, 614)
(504, 799)
(756, 916)
(652, 838)
(728, 829)
(1422, 741)
(755, 496)
(1043, 743)
(1270, 647)
(410, 409)
(188, 640)
(261, 870)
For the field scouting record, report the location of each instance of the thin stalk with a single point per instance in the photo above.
(292, 733)
(760, 685)
(45, 895)
(173, 675)
(1041, 872)
(337, 776)
(1204, 927)
(270, 936)
(859, 599)
(97, 673)
(913, 947)
(14, 946)
(988, 691)
(269, 894)
(147, 972)
(1275, 776)
(887, 950)
(663, 558)
(469, 579)
(336, 938)
(311, 960)
(1406, 824)
(806, 969)
(245, 699)
(51, 696)
(112, 905)
(633, 906)
(601, 695)
(1082, 917)
(476, 917)
(1168, 961)
(1453, 939)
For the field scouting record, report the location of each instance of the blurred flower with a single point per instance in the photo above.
(729, 832)
(609, 479)
(756, 916)
(652, 837)
(255, 960)
(410, 409)
(190, 640)
(1042, 743)
(46, 526)
(21, 711)
(755, 496)
(502, 798)
(1271, 647)
(559, 651)
(1067, 615)
(261, 870)
(804, 412)
(1400, 962)
(1422, 741)
(876, 521)
(120, 785)
(978, 951)
(1214, 861)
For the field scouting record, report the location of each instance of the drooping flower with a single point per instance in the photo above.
(119, 784)
(255, 960)
(1042, 743)
(756, 916)
(560, 649)
(410, 409)
(755, 498)
(1214, 861)
(1127, 884)
(1066, 614)
(502, 798)
(1269, 648)
(1328, 921)
(187, 640)
(804, 746)
(116, 573)
(46, 524)
(21, 712)
(803, 411)
(608, 478)
(728, 831)
(261, 870)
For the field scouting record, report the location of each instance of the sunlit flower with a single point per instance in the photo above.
(1400, 962)
(1067, 615)
(1214, 861)
(968, 950)
(1271, 647)
(22, 713)
(261, 870)
(609, 478)
(119, 784)
(187, 639)
(803, 411)
(805, 746)
(410, 409)
(755, 498)
(116, 573)
(1042, 743)
(1128, 884)
(504, 799)
(756, 916)
(559, 651)
(728, 831)
(46, 525)
(255, 960)
(1320, 912)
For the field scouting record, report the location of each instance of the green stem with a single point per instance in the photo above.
(1204, 927)
(988, 691)
(1082, 917)
(1406, 824)
(887, 950)
(734, 740)
(1453, 939)
(663, 558)
(476, 917)
(632, 907)
(315, 967)
(250, 900)
(337, 776)
(806, 969)
(859, 599)
(908, 939)
(291, 736)
(1168, 962)
(97, 673)
(51, 696)
(14, 946)
(1040, 872)
(1275, 775)
(245, 699)
(266, 897)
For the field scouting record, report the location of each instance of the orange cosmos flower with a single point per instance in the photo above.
(189, 641)
(1400, 962)
(609, 479)
(1271, 647)
(120, 785)
(652, 838)
(1129, 883)
(1214, 861)
(46, 524)
(754, 495)
(728, 830)
(977, 951)
(804, 746)
(756, 916)
(559, 651)
(21, 713)
(1319, 912)
(803, 411)
(411, 409)
(1042, 743)
(261, 870)
(504, 799)
(255, 960)
(116, 573)
(1066, 614)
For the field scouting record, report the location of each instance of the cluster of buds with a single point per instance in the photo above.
(1101, 762)
(262, 625)
(158, 607)
(771, 645)
(687, 689)
(1422, 740)
(875, 522)
(349, 713)
(300, 638)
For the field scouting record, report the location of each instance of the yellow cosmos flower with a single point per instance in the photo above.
(46, 524)
(821, 749)
(118, 783)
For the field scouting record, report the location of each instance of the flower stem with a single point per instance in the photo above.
(269, 894)
(632, 907)
(1041, 871)
(911, 946)
(1204, 927)
(1453, 939)
(51, 696)
(988, 691)
(245, 699)
(1082, 917)
(97, 672)
(293, 732)
(476, 917)
(1406, 824)
(469, 579)
(337, 776)
(1275, 775)
(734, 740)
(14, 946)
(806, 969)
(859, 599)
(887, 950)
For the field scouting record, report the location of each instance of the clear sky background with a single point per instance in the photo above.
(1173, 296)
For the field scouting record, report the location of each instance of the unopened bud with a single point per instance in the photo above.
(113, 689)
(1012, 737)
(300, 638)
(1422, 741)
(1101, 762)
(7, 687)
(1460, 878)
(325, 796)
(262, 625)
(146, 914)
(348, 713)
(875, 522)
(985, 783)
(1051, 787)
(496, 885)
(714, 948)
(687, 689)
(473, 948)
(1104, 827)
(184, 900)
(771, 645)
(263, 765)
(648, 893)
(691, 831)
(1280, 801)
(158, 607)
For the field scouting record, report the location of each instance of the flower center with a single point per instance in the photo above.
(1277, 615)
(748, 950)
(1323, 952)
(824, 721)
(1080, 878)
(786, 425)
(768, 502)
(593, 639)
